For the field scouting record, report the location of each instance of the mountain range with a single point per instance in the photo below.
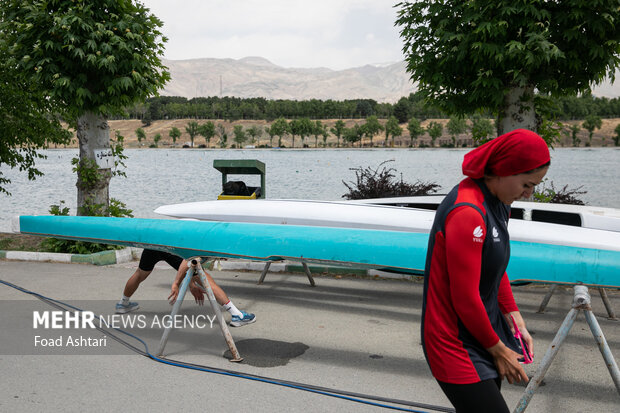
(258, 77)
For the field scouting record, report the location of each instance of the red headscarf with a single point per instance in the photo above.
(510, 154)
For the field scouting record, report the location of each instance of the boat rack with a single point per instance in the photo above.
(195, 268)
(581, 302)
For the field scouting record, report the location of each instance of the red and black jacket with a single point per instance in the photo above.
(466, 289)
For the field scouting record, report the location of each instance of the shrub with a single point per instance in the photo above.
(375, 183)
(116, 209)
(563, 196)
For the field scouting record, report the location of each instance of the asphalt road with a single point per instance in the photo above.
(350, 334)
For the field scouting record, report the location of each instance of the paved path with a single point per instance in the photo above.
(353, 334)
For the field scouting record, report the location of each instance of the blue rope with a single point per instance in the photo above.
(221, 371)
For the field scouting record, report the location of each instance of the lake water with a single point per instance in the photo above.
(163, 176)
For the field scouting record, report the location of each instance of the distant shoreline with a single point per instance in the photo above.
(601, 137)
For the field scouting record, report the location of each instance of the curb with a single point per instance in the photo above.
(131, 253)
(99, 258)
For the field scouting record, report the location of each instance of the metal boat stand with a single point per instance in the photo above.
(602, 291)
(306, 270)
(581, 302)
(195, 268)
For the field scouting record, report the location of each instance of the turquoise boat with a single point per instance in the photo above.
(396, 251)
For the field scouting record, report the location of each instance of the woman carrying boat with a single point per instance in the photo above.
(468, 302)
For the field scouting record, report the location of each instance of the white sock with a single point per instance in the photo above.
(124, 300)
(230, 307)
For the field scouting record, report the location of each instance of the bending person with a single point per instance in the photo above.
(148, 260)
(467, 334)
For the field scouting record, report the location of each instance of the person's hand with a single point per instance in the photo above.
(197, 291)
(507, 363)
(174, 293)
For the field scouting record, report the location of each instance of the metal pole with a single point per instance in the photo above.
(216, 308)
(264, 273)
(545, 300)
(546, 361)
(610, 310)
(610, 362)
(307, 271)
(175, 309)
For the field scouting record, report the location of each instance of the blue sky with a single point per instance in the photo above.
(337, 34)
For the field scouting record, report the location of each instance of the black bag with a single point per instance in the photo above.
(236, 188)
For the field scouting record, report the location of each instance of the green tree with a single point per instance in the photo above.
(220, 131)
(468, 55)
(434, 129)
(175, 134)
(550, 131)
(207, 131)
(592, 123)
(156, 139)
(240, 135)
(140, 134)
(192, 130)
(318, 129)
(393, 129)
(95, 58)
(372, 127)
(338, 130)
(294, 128)
(353, 134)
(574, 129)
(456, 125)
(481, 130)
(402, 110)
(415, 130)
(280, 128)
(254, 132)
(269, 132)
(365, 107)
(617, 137)
(30, 122)
(325, 135)
(304, 129)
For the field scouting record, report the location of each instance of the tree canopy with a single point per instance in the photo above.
(95, 56)
(467, 55)
(29, 122)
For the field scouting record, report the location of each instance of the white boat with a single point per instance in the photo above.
(375, 217)
(586, 216)
(304, 212)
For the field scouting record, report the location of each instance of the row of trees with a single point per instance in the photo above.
(232, 108)
(477, 130)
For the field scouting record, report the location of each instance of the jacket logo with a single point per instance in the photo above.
(495, 235)
(478, 233)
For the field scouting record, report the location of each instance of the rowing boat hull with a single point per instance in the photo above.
(399, 251)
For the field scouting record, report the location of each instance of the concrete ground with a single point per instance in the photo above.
(359, 335)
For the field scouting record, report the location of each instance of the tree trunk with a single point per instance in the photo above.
(93, 134)
(518, 111)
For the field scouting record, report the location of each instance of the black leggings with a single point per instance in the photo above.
(481, 397)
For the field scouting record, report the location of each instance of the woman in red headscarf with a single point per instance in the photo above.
(466, 336)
